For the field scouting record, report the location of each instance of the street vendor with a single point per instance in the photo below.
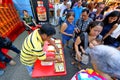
(32, 48)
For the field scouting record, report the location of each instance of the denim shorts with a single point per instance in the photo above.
(64, 41)
(29, 69)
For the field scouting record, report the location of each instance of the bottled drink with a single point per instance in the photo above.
(41, 11)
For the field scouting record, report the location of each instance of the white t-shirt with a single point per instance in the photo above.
(116, 32)
(62, 7)
(56, 6)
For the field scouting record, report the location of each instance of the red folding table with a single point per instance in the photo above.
(45, 71)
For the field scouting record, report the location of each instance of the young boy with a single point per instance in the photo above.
(32, 48)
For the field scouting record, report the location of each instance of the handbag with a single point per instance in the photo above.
(85, 59)
(84, 38)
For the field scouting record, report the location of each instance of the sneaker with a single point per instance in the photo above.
(12, 62)
(1, 72)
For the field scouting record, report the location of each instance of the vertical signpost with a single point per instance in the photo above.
(40, 9)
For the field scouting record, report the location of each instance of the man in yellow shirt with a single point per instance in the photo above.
(32, 48)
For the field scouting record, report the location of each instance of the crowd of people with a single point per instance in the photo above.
(86, 22)
(95, 32)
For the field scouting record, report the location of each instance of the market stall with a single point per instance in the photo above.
(52, 68)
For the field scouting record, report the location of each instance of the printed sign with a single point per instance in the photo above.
(40, 9)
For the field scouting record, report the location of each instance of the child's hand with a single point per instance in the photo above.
(57, 49)
(59, 59)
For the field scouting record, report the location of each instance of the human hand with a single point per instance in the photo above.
(83, 51)
(38, 25)
(29, 27)
(77, 30)
(93, 43)
(78, 56)
(71, 35)
(59, 59)
(99, 19)
(57, 49)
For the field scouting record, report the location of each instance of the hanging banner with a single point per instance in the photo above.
(40, 9)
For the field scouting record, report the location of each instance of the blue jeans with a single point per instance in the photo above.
(4, 58)
(1, 72)
(13, 48)
(60, 21)
(29, 69)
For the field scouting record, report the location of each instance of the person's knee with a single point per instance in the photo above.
(2, 56)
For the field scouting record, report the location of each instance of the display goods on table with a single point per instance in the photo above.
(50, 68)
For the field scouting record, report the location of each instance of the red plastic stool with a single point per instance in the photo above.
(33, 28)
(3, 64)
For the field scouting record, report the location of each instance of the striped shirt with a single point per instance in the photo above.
(32, 49)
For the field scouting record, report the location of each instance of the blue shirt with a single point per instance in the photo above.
(69, 30)
(94, 17)
(66, 11)
(77, 11)
(106, 29)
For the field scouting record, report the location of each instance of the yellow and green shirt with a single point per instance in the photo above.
(32, 49)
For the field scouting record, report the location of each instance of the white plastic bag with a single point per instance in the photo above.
(85, 59)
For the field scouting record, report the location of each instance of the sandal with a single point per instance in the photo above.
(73, 62)
(79, 66)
